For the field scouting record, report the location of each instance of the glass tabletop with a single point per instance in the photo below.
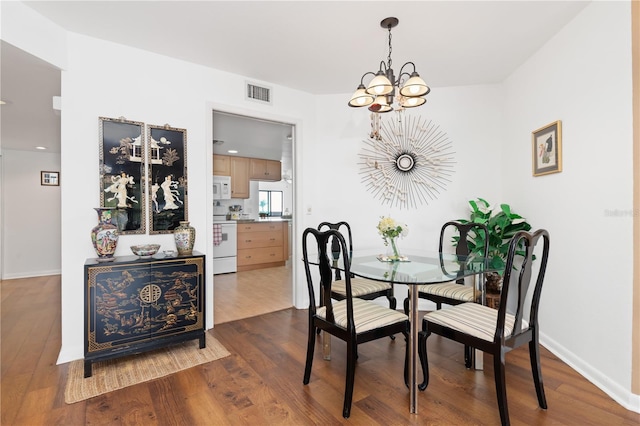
(422, 268)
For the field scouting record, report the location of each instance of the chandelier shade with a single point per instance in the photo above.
(380, 93)
(361, 98)
(380, 85)
(380, 104)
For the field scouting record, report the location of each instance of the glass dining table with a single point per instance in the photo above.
(419, 269)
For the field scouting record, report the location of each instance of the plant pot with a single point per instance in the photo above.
(493, 282)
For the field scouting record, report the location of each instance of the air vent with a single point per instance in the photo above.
(258, 93)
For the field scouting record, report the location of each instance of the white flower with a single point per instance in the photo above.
(389, 228)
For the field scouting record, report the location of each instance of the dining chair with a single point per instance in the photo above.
(362, 288)
(456, 292)
(353, 320)
(499, 331)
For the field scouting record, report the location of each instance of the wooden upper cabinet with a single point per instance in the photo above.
(221, 165)
(239, 177)
(265, 170)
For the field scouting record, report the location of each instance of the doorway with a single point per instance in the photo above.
(255, 292)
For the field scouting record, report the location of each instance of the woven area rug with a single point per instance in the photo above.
(130, 370)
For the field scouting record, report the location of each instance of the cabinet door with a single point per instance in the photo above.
(265, 170)
(274, 170)
(239, 177)
(258, 168)
(221, 165)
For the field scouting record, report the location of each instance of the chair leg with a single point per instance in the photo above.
(351, 373)
(424, 362)
(392, 302)
(501, 387)
(310, 348)
(468, 356)
(534, 354)
(392, 306)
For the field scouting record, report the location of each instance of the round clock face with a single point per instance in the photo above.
(405, 162)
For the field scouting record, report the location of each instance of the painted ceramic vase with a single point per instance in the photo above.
(185, 237)
(104, 235)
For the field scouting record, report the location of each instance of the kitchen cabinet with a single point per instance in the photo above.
(133, 305)
(262, 245)
(221, 165)
(266, 170)
(239, 177)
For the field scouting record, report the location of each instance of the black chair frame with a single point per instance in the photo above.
(462, 249)
(328, 324)
(335, 253)
(502, 344)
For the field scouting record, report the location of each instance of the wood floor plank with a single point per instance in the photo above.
(261, 381)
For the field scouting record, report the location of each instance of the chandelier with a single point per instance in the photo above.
(381, 91)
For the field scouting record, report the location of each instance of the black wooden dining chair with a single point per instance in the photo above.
(456, 292)
(498, 331)
(362, 288)
(351, 319)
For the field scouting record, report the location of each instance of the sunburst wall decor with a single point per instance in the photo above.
(406, 161)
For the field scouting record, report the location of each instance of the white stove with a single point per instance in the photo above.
(225, 245)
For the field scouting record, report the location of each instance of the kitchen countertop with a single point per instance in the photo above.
(268, 219)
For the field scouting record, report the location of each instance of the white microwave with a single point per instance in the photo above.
(221, 187)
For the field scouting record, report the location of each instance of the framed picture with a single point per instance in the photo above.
(122, 178)
(547, 149)
(167, 157)
(50, 178)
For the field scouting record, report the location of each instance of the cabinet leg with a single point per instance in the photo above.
(87, 368)
(203, 341)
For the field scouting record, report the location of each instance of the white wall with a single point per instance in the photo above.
(31, 214)
(141, 86)
(582, 77)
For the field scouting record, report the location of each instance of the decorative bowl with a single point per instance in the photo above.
(145, 250)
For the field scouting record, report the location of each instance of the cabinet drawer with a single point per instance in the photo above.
(260, 239)
(260, 255)
(259, 227)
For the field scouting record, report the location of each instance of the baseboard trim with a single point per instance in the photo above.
(619, 394)
(31, 274)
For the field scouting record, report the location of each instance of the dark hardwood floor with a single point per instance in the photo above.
(261, 382)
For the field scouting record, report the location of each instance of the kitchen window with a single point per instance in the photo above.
(270, 203)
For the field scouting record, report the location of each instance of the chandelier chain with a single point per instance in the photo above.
(389, 57)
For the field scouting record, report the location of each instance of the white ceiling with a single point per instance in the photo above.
(320, 47)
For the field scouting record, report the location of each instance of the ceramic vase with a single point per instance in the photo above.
(104, 235)
(185, 237)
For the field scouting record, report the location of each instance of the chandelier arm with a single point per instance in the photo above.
(408, 63)
(364, 75)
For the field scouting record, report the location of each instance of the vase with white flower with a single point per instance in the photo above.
(391, 230)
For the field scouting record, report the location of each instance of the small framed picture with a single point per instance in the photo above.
(50, 178)
(547, 149)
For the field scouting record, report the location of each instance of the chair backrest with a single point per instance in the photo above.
(321, 240)
(467, 231)
(345, 229)
(517, 281)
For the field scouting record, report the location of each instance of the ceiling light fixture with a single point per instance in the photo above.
(379, 94)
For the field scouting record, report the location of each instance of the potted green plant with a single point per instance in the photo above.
(502, 225)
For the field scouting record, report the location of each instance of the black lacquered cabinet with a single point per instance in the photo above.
(135, 305)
